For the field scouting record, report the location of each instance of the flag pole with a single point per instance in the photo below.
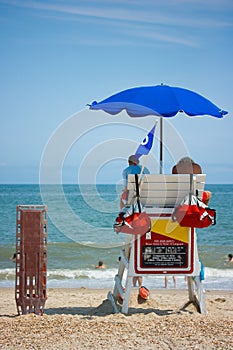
(161, 146)
(141, 172)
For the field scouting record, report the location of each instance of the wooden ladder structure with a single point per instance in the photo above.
(31, 258)
(168, 249)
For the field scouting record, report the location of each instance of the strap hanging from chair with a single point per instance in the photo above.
(190, 188)
(137, 193)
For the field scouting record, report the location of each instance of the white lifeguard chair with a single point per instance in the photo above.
(168, 249)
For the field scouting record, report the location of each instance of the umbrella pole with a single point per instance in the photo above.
(161, 147)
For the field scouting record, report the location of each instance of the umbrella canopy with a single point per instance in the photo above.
(159, 100)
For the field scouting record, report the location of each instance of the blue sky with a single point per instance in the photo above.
(57, 56)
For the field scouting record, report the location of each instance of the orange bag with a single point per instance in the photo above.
(144, 293)
(133, 220)
(194, 213)
(132, 223)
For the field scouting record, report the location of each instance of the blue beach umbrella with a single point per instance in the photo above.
(160, 100)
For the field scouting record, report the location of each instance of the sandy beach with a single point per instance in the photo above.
(83, 319)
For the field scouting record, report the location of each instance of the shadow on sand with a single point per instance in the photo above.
(105, 309)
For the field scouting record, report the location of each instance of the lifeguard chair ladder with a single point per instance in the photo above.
(31, 258)
(168, 249)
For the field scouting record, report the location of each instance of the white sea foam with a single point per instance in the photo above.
(215, 279)
(82, 273)
(211, 272)
(105, 273)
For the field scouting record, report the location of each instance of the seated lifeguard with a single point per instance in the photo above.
(133, 168)
(187, 166)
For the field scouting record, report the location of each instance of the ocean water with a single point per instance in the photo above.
(80, 234)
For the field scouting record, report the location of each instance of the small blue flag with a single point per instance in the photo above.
(146, 145)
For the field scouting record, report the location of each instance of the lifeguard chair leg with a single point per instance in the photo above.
(129, 281)
(119, 291)
(199, 299)
(123, 264)
(128, 287)
(201, 295)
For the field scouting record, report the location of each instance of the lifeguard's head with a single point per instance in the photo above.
(186, 160)
(133, 160)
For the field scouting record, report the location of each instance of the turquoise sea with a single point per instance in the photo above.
(80, 234)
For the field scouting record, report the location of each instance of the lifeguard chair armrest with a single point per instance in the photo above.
(160, 190)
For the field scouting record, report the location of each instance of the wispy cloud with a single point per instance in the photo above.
(152, 34)
(134, 11)
(153, 21)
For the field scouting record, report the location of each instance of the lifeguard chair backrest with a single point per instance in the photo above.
(165, 190)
